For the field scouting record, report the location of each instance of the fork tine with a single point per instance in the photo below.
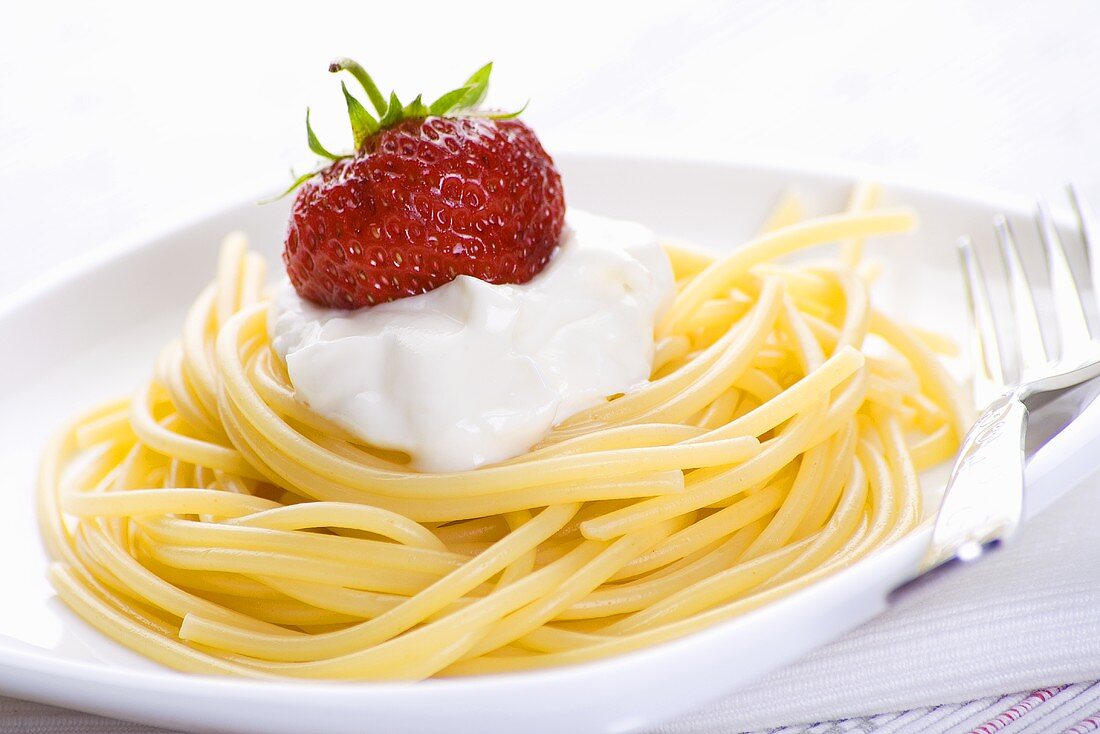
(989, 377)
(1068, 303)
(1032, 353)
(1086, 226)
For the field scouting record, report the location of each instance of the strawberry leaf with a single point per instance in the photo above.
(297, 182)
(315, 144)
(363, 123)
(364, 79)
(416, 108)
(448, 101)
(462, 100)
(509, 115)
(479, 87)
(394, 112)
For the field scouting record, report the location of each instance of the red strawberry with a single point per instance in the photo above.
(425, 198)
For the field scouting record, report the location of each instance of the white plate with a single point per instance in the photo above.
(92, 331)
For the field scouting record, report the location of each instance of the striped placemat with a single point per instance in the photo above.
(1071, 709)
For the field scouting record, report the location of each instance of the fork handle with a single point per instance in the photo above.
(983, 501)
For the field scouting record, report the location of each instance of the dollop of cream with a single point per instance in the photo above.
(473, 373)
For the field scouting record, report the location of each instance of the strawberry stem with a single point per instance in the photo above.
(364, 79)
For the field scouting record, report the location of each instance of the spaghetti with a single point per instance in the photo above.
(215, 524)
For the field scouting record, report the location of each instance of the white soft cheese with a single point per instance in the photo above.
(473, 373)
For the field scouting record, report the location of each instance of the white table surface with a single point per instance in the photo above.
(125, 118)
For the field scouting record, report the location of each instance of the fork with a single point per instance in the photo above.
(1020, 381)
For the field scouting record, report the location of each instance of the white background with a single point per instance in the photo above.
(126, 117)
(118, 119)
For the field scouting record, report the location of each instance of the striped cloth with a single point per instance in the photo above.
(1071, 709)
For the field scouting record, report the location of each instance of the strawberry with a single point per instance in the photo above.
(430, 193)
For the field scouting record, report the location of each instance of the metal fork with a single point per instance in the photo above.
(1021, 381)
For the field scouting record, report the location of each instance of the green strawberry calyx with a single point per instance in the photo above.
(462, 101)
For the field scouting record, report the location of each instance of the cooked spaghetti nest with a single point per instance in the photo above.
(215, 524)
